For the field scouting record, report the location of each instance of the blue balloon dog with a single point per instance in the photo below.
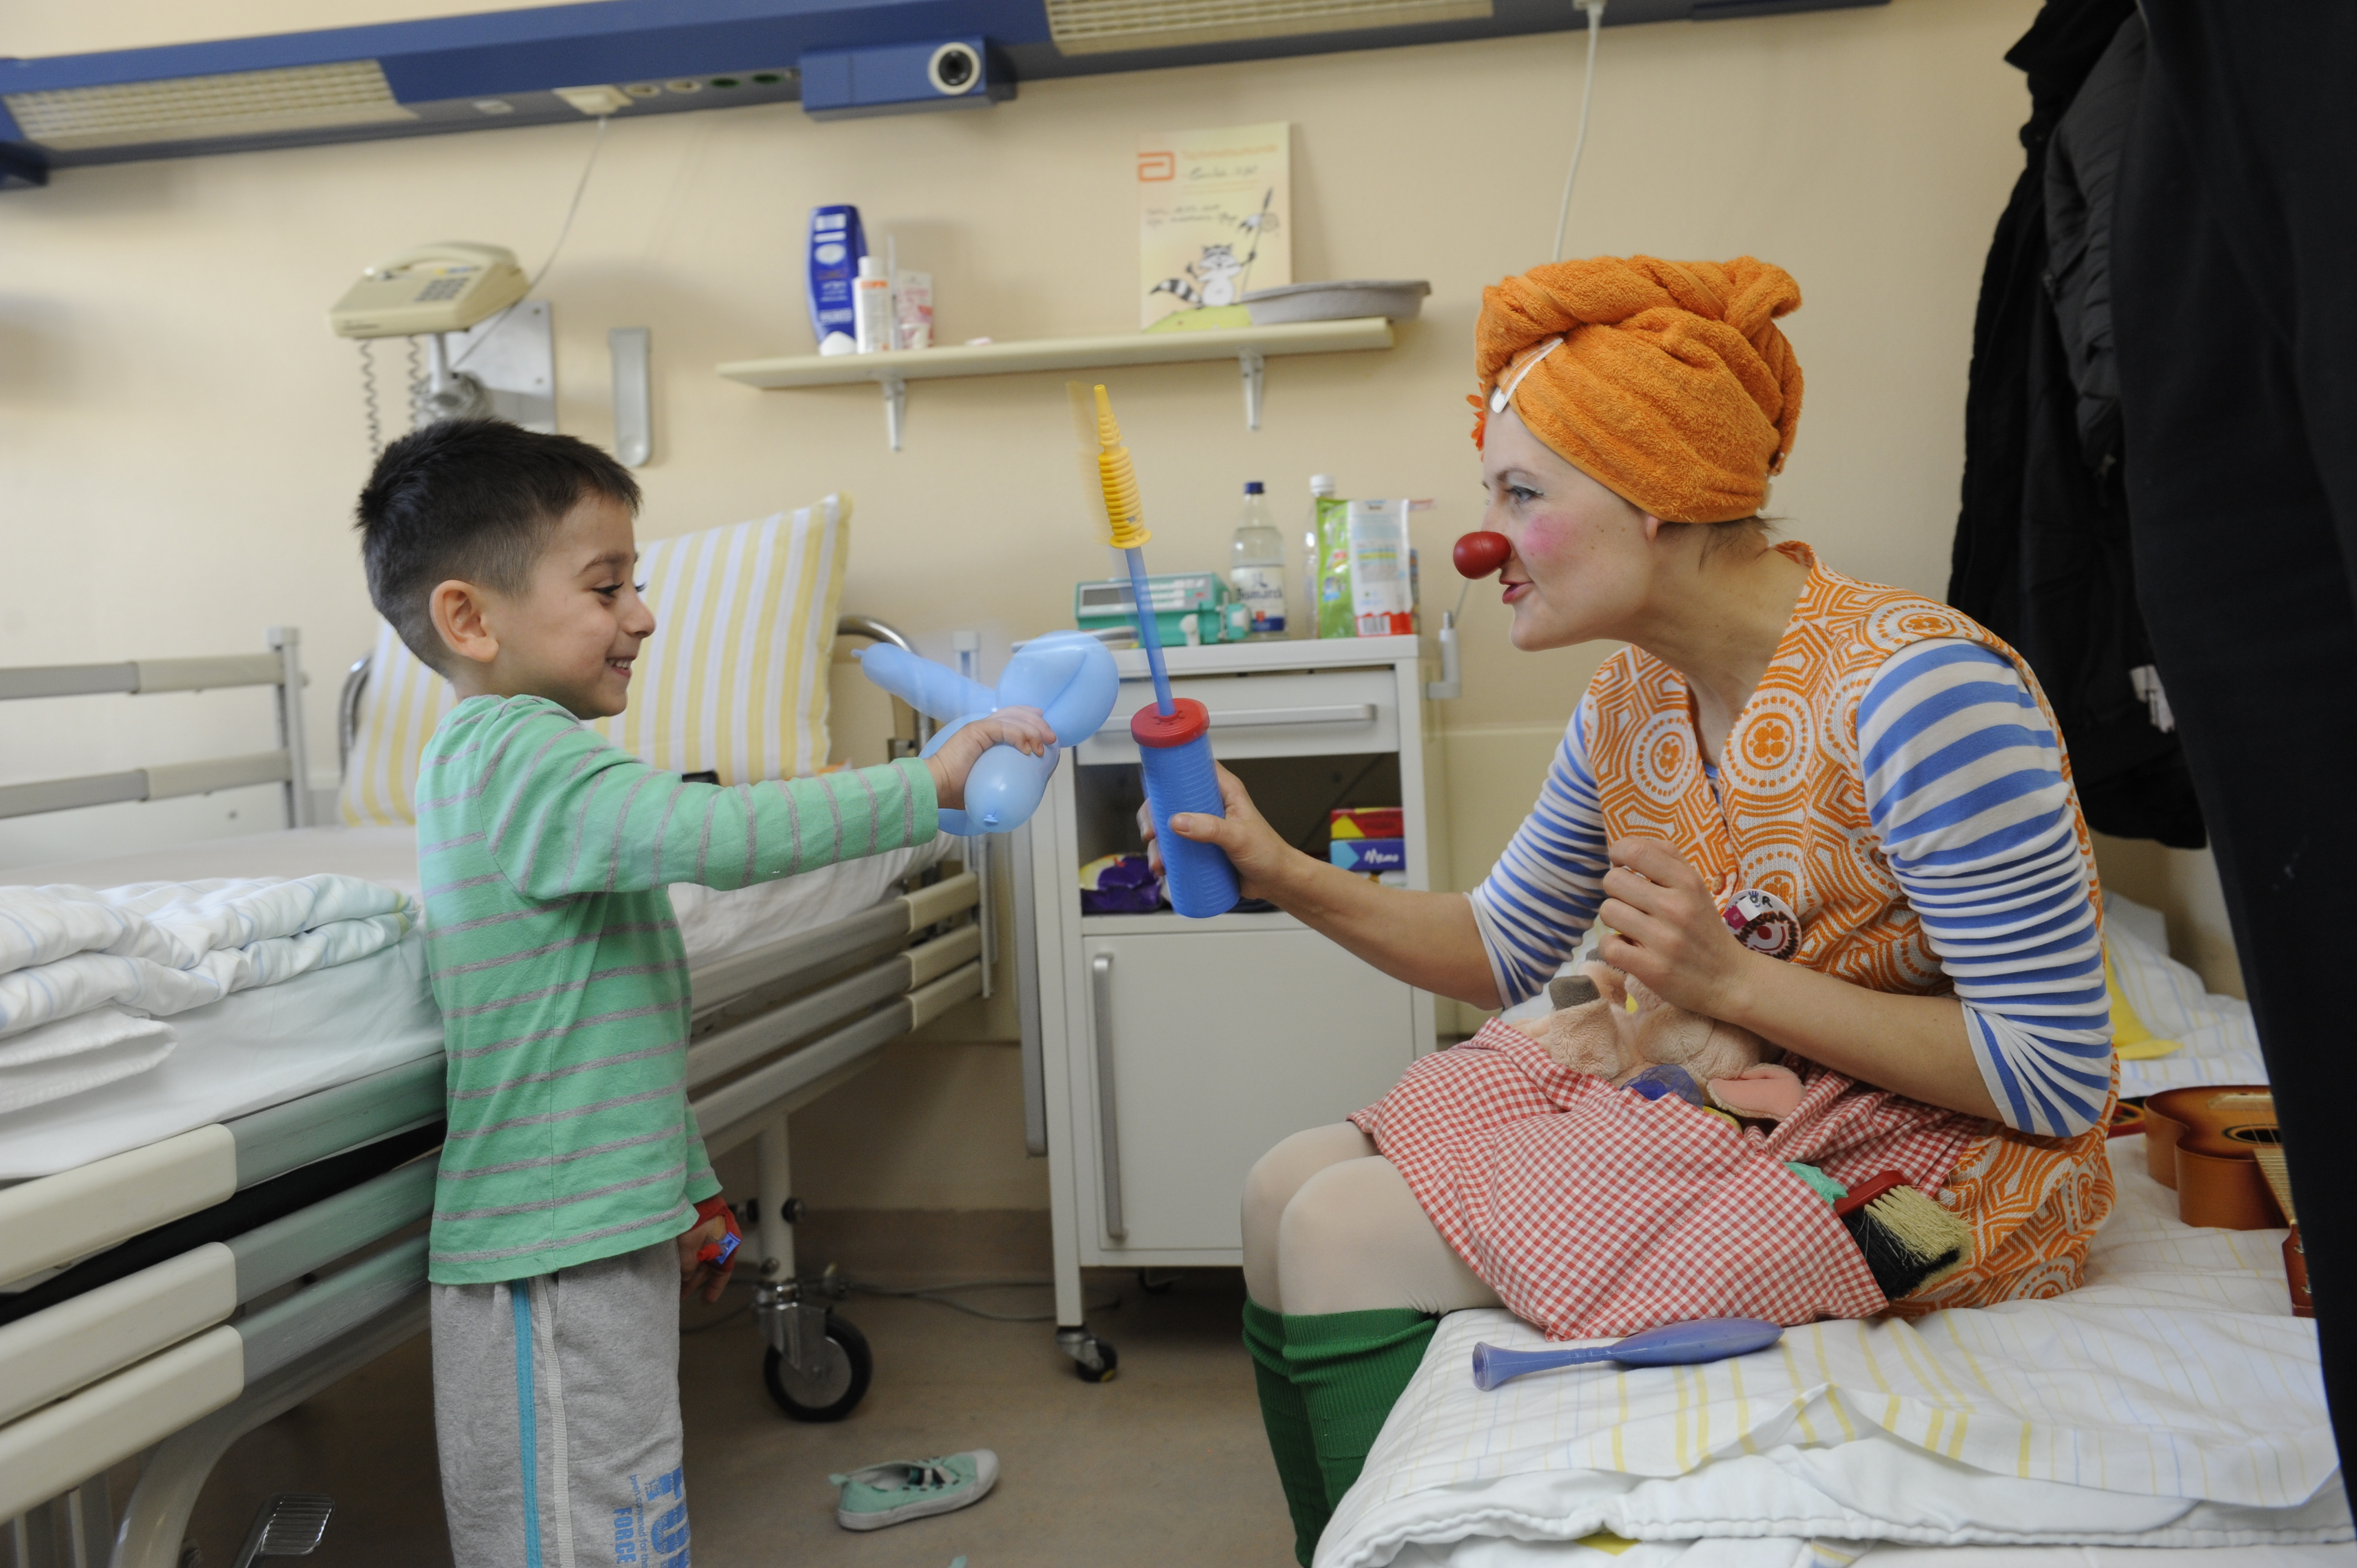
(1069, 676)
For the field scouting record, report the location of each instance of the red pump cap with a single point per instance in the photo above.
(1189, 718)
(1478, 554)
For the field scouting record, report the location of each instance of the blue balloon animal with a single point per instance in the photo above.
(1069, 676)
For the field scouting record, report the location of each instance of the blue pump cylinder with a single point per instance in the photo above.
(1176, 755)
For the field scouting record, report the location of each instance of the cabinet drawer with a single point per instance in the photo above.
(1328, 711)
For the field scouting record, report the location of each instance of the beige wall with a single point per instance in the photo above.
(180, 437)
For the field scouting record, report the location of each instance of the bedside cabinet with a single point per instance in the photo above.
(1163, 1056)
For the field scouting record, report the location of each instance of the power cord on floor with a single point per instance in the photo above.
(940, 1296)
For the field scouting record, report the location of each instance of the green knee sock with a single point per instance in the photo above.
(1351, 1367)
(1287, 1420)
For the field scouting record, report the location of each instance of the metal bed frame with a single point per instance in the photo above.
(180, 1359)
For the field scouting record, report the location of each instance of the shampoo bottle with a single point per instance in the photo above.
(836, 249)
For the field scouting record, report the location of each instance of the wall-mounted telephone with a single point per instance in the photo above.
(443, 288)
(485, 349)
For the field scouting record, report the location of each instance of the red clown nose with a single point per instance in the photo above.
(1478, 554)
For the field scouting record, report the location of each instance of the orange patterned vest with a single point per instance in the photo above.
(1794, 822)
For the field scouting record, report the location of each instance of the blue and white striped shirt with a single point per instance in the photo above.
(1964, 783)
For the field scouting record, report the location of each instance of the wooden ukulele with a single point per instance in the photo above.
(2221, 1149)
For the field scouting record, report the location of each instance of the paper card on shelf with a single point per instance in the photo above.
(1215, 213)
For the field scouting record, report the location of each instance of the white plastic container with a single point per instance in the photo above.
(871, 304)
(912, 308)
(1382, 596)
(1256, 565)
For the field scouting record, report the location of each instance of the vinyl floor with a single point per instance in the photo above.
(1165, 1464)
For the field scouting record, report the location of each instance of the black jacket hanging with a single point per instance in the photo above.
(2041, 553)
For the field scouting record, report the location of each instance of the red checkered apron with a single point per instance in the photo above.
(1592, 1211)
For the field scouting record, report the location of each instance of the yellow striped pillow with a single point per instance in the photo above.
(402, 703)
(733, 679)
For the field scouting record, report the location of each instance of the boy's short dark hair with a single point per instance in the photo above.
(471, 499)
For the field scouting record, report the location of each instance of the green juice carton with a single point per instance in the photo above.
(1331, 576)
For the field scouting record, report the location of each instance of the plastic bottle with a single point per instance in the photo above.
(836, 243)
(1321, 487)
(1256, 565)
(872, 307)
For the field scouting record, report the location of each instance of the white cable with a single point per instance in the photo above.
(1595, 12)
(564, 231)
(595, 142)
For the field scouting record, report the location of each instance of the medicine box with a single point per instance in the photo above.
(1368, 822)
(1366, 857)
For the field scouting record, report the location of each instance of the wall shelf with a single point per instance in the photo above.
(1249, 346)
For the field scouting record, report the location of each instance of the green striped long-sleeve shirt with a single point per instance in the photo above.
(547, 854)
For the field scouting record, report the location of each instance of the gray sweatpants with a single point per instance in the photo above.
(556, 1411)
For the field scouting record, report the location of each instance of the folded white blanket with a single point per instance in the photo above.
(2172, 1400)
(177, 923)
(163, 947)
(79, 1053)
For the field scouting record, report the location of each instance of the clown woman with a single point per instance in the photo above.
(1877, 761)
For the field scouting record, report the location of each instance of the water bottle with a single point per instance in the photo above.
(1256, 565)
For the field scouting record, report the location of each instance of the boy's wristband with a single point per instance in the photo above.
(720, 1254)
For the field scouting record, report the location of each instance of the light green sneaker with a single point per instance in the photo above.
(902, 1490)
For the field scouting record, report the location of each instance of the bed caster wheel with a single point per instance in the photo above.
(834, 1387)
(1094, 1361)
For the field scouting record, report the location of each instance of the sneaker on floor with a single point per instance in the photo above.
(902, 1490)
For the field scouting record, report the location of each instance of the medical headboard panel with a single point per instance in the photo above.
(630, 57)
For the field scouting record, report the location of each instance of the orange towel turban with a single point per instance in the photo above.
(1665, 381)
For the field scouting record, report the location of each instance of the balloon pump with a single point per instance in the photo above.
(1174, 739)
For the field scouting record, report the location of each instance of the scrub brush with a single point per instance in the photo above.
(1908, 1239)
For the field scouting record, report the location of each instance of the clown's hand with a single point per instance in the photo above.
(1667, 931)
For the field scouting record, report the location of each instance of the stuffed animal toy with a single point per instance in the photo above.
(1613, 1026)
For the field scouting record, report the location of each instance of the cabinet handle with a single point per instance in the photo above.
(1108, 1128)
(1334, 714)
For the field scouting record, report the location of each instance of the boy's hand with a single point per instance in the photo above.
(1026, 729)
(710, 1234)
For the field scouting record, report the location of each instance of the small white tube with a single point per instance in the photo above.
(871, 302)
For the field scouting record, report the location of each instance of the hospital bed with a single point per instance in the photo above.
(198, 1249)
(2172, 1400)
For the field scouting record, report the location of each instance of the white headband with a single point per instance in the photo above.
(1503, 392)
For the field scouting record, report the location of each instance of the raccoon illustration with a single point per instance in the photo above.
(1214, 278)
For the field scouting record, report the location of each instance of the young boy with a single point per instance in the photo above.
(574, 1194)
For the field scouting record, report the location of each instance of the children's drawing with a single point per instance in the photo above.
(1211, 207)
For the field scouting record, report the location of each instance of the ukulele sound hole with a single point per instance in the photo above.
(2268, 1136)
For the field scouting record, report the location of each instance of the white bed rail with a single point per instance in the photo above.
(288, 766)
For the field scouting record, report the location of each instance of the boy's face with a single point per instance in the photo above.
(572, 635)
